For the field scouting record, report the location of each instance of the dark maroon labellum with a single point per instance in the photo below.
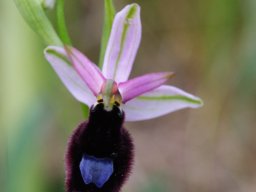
(100, 153)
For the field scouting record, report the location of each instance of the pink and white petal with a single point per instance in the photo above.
(137, 86)
(87, 70)
(123, 44)
(163, 100)
(68, 76)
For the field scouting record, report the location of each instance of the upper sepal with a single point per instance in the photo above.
(123, 44)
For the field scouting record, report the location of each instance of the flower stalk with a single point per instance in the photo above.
(62, 29)
(108, 21)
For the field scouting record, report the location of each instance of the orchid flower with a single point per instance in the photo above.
(100, 151)
(141, 98)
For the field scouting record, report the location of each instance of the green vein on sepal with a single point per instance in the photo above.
(131, 13)
(172, 97)
(59, 55)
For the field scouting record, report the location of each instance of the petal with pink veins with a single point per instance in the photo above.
(87, 70)
(163, 100)
(123, 44)
(56, 56)
(139, 85)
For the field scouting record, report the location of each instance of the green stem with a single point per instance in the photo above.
(62, 29)
(108, 20)
(85, 110)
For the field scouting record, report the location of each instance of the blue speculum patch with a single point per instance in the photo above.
(96, 170)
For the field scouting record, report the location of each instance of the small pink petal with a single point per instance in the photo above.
(123, 44)
(137, 86)
(56, 56)
(163, 100)
(87, 70)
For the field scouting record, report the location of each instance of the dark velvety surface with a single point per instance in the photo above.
(102, 136)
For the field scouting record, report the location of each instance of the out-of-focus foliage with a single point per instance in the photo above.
(211, 46)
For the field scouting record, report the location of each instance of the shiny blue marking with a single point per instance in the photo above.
(96, 170)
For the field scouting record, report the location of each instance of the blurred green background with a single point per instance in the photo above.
(209, 44)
